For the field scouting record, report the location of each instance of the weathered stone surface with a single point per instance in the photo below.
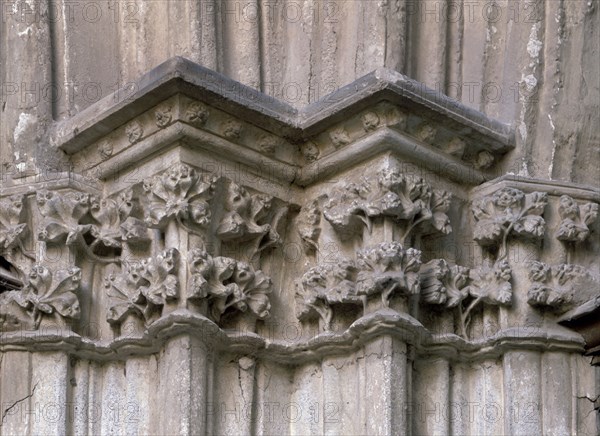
(186, 247)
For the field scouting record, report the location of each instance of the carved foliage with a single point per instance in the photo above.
(250, 217)
(179, 194)
(410, 201)
(387, 268)
(509, 212)
(308, 226)
(575, 219)
(444, 284)
(463, 289)
(325, 285)
(491, 284)
(44, 295)
(62, 216)
(12, 223)
(555, 286)
(382, 270)
(143, 286)
(114, 223)
(228, 285)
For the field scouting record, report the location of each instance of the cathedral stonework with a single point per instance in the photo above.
(192, 255)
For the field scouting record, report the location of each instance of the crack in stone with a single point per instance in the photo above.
(17, 402)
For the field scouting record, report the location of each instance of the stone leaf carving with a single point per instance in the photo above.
(560, 287)
(409, 201)
(179, 194)
(13, 225)
(308, 226)
(463, 289)
(444, 284)
(250, 217)
(62, 217)
(134, 131)
(551, 286)
(197, 114)
(143, 287)
(44, 295)
(575, 219)
(125, 294)
(388, 268)
(382, 270)
(163, 116)
(509, 212)
(114, 224)
(228, 285)
(324, 285)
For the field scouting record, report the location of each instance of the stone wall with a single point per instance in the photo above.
(298, 217)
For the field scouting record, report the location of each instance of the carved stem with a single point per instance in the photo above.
(465, 317)
(410, 229)
(89, 252)
(188, 229)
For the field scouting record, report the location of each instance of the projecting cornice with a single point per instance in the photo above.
(180, 101)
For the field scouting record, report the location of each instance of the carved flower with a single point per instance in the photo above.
(397, 118)
(485, 159)
(163, 116)
(197, 114)
(106, 150)
(370, 121)
(426, 133)
(134, 131)
(339, 137)
(456, 147)
(268, 144)
(492, 285)
(531, 226)
(232, 129)
(310, 151)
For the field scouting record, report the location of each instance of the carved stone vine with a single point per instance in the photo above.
(576, 219)
(382, 270)
(45, 295)
(509, 212)
(463, 289)
(410, 202)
